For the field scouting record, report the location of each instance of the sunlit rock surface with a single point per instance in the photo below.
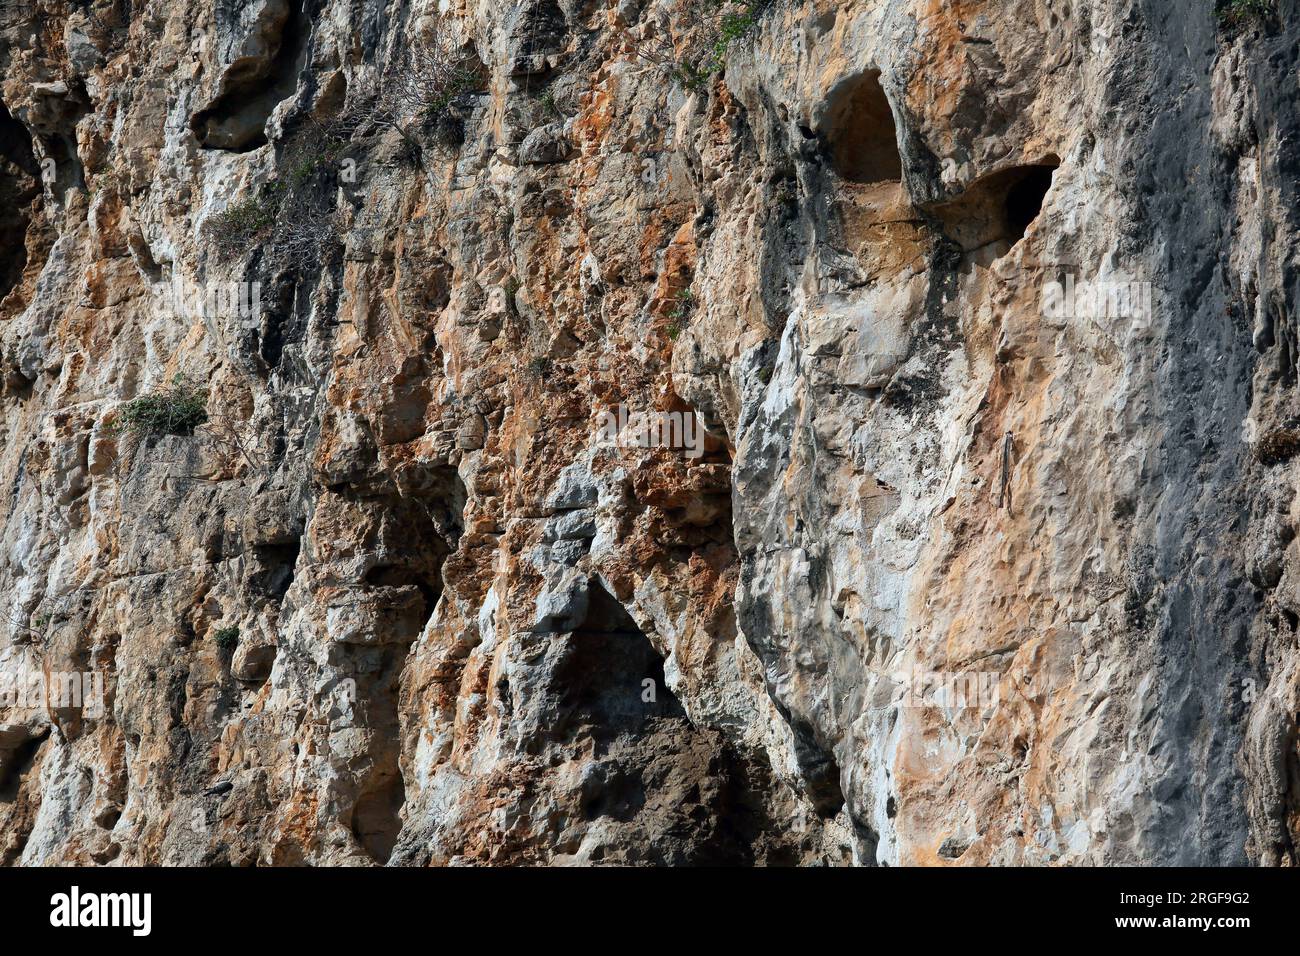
(986, 311)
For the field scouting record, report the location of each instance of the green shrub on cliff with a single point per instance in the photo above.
(294, 212)
(680, 316)
(242, 226)
(723, 26)
(177, 409)
(1240, 13)
(226, 638)
(294, 215)
(421, 89)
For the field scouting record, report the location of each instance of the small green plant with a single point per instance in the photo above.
(226, 638)
(735, 26)
(694, 71)
(177, 409)
(540, 365)
(691, 75)
(681, 313)
(243, 224)
(454, 83)
(301, 169)
(549, 106)
(290, 212)
(1241, 13)
(422, 88)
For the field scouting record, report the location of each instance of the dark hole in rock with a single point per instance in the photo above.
(609, 670)
(14, 766)
(418, 535)
(332, 96)
(284, 308)
(16, 144)
(108, 817)
(252, 88)
(1020, 749)
(392, 576)
(1025, 198)
(376, 817)
(540, 30)
(19, 187)
(275, 568)
(859, 131)
(819, 769)
(999, 208)
(59, 139)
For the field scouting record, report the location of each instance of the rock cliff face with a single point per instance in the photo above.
(985, 553)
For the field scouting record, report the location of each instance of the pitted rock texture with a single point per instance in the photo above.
(402, 600)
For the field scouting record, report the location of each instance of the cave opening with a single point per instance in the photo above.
(428, 529)
(1025, 198)
(540, 30)
(274, 567)
(236, 119)
(16, 764)
(20, 185)
(859, 131)
(395, 576)
(377, 815)
(612, 678)
(998, 209)
(415, 536)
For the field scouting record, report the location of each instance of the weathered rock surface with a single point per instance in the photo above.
(403, 599)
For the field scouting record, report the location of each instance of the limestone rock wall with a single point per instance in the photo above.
(404, 598)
